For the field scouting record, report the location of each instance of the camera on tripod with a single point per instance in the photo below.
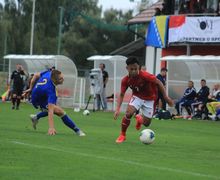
(96, 81)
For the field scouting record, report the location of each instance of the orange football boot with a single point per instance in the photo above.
(120, 139)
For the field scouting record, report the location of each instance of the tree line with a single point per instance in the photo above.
(85, 29)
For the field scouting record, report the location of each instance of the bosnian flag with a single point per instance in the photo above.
(157, 32)
(202, 29)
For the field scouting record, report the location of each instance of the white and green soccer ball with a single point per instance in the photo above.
(86, 112)
(147, 136)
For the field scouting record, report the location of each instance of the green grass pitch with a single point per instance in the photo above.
(182, 149)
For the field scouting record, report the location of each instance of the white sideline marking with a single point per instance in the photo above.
(118, 160)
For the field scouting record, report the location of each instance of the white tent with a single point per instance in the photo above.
(181, 69)
(39, 63)
(116, 68)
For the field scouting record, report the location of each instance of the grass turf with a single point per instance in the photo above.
(182, 149)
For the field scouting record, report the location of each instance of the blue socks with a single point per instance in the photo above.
(68, 122)
(42, 114)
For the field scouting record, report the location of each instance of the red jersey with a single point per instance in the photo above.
(143, 85)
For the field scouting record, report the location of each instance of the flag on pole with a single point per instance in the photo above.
(157, 32)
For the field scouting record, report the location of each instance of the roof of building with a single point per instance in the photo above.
(146, 15)
(129, 48)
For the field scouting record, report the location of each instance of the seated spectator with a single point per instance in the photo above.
(214, 92)
(188, 97)
(200, 101)
(214, 102)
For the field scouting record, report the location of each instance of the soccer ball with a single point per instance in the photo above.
(86, 112)
(147, 136)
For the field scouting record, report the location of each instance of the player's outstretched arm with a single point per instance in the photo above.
(119, 102)
(51, 130)
(33, 81)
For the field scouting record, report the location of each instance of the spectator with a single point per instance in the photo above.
(200, 100)
(162, 77)
(188, 97)
(214, 92)
(101, 98)
(214, 101)
(17, 84)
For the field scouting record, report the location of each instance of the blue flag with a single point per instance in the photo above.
(157, 32)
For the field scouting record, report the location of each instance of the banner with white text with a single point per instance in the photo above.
(194, 29)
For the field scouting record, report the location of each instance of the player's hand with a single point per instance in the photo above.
(26, 92)
(51, 132)
(117, 112)
(169, 101)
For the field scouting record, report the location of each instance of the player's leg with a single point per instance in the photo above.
(125, 123)
(147, 111)
(67, 120)
(35, 117)
(38, 103)
(14, 97)
(132, 107)
(18, 100)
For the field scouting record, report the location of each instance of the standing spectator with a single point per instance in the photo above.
(162, 77)
(143, 86)
(101, 99)
(17, 84)
(188, 97)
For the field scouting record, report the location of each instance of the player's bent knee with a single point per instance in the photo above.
(128, 115)
(59, 112)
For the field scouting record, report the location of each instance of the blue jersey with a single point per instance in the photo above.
(44, 91)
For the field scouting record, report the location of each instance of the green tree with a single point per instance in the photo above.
(85, 30)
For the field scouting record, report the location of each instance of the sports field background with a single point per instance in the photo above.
(182, 149)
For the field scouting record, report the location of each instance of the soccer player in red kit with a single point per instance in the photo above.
(144, 94)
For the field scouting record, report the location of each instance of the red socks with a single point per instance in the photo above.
(124, 125)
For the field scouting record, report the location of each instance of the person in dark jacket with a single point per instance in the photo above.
(162, 77)
(200, 100)
(188, 97)
(17, 84)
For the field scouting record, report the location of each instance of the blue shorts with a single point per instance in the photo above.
(43, 105)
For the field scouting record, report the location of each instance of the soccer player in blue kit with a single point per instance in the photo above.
(44, 96)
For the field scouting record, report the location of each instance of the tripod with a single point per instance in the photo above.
(94, 100)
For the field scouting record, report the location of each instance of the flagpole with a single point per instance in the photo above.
(32, 27)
